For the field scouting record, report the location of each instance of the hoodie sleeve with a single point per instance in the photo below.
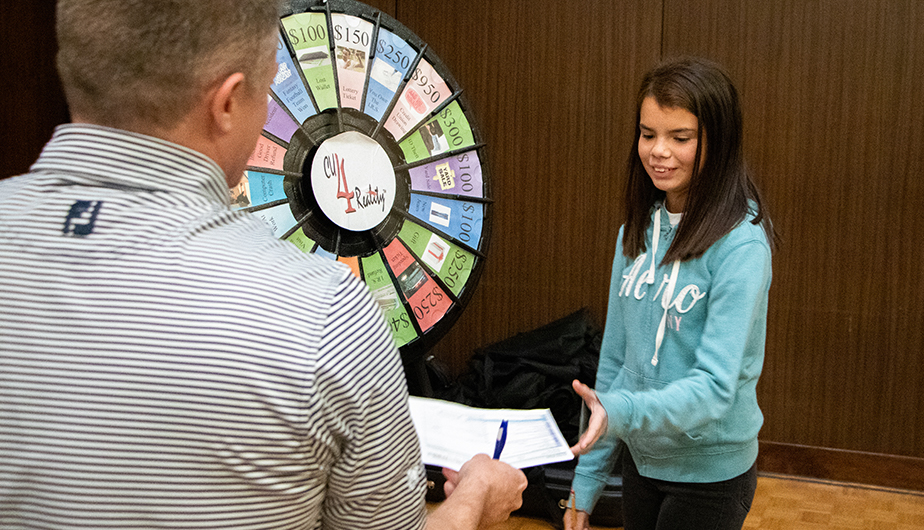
(594, 467)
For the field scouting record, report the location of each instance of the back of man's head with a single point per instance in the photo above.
(142, 64)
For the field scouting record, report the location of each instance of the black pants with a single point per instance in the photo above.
(650, 504)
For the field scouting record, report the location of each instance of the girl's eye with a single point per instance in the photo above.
(647, 136)
(682, 140)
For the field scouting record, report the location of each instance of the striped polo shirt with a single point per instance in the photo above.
(165, 362)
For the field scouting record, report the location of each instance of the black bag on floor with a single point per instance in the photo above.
(535, 370)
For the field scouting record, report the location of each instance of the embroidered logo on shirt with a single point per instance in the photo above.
(81, 218)
(414, 476)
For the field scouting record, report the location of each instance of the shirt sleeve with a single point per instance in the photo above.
(378, 480)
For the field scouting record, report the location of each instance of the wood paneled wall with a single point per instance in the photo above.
(834, 109)
(834, 113)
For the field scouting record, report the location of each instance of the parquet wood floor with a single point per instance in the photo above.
(789, 503)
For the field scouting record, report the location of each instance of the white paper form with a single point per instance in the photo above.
(450, 434)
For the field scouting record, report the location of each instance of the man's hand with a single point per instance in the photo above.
(597, 424)
(480, 495)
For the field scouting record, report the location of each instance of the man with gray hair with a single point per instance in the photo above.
(165, 362)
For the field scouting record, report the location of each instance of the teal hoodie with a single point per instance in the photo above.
(682, 350)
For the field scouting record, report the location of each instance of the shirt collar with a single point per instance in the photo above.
(103, 156)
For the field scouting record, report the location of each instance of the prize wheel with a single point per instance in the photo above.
(370, 156)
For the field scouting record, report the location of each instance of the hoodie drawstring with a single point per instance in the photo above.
(671, 284)
(665, 303)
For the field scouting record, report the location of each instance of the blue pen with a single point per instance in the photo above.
(501, 439)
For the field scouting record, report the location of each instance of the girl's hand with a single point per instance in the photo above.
(597, 424)
(576, 520)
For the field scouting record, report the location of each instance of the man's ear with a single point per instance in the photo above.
(225, 101)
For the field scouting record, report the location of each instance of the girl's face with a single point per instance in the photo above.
(667, 147)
